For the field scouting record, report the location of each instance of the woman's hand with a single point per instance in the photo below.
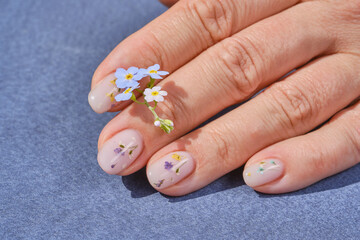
(219, 53)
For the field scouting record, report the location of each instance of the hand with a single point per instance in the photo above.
(220, 53)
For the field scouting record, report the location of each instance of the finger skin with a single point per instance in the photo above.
(225, 79)
(228, 142)
(312, 157)
(184, 31)
(177, 36)
(168, 3)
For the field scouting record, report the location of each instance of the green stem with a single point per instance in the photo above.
(152, 82)
(138, 90)
(152, 110)
(134, 99)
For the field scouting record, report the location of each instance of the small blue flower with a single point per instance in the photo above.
(153, 72)
(126, 95)
(127, 78)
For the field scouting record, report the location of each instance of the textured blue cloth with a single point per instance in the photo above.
(51, 186)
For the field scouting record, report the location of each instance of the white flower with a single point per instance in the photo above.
(157, 123)
(154, 94)
(153, 72)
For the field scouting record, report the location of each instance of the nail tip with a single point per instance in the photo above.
(94, 104)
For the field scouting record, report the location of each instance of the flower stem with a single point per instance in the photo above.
(152, 109)
(134, 99)
(152, 82)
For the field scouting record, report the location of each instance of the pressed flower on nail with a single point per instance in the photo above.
(179, 165)
(154, 94)
(168, 165)
(127, 78)
(153, 72)
(122, 150)
(159, 183)
(177, 157)
(111, 96)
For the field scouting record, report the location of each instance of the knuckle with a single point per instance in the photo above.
(294, 106)
(321, 160)
(214, 16)
(349, 10)
(238, 61)
(174, 108)
(153, 48)
(223, 146)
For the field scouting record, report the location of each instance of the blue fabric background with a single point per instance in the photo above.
(51, 186)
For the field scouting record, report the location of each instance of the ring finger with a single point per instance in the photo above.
(286, 109)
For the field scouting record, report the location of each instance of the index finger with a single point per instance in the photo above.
(184, 31)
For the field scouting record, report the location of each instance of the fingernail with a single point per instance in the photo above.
(263, 172)
(102, 97)
(170, 169)
(120, 151)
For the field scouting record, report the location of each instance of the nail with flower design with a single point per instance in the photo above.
(170, 169)
(102, 97)
(111, 91)
(263, 172)
(120, 151)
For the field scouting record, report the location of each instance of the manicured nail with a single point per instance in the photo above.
(102, 97)
(120, 151)
(170, 169)
(263, 172)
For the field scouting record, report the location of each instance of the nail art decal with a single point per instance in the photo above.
(113, 93)
(263, 172)
(159, 183)
(102, 97)
(170, 169)
(120, 151)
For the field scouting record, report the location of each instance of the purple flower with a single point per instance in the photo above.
(168, 165)
(119, 150)
(160, 183)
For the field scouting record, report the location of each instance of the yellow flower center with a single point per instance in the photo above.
(153, 71)
(177, 157)
(155, 93)
(129, 76)
(127, 90)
